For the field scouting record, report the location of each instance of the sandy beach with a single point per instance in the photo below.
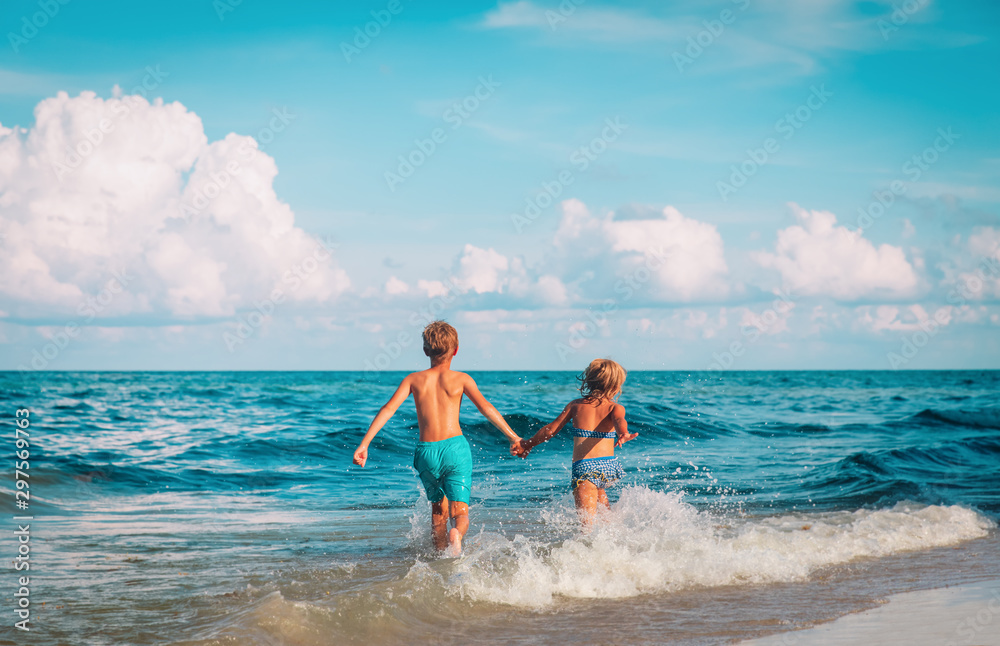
(966, 615)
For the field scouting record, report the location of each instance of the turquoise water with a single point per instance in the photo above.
(223, 507)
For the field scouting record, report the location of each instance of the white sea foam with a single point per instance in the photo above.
(654, 542)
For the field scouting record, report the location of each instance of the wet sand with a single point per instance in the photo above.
(967, 615)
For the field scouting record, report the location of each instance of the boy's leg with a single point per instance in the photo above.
(439, 522)
(585, 496)
(460, 525)
(456, 482)
(426, 460)
(460, 517)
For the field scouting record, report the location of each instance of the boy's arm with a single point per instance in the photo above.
(621, 426)
(545, 433)
(384, 414)
(471, 390)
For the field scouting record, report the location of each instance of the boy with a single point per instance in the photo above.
(442, 458)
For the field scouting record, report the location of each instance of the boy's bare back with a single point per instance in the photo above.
(437, 393)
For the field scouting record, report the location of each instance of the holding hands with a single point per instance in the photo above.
(520, 448)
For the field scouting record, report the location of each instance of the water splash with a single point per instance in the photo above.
(654, 542)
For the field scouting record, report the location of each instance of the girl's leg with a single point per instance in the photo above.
(585, 496)
(602, 497)
(439, 523)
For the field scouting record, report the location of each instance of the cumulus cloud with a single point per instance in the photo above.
(665, 258)
(661, 257)
(643, 258)
(99, 188)
(985, 242)
(975, 275)
(486, 272)
(432, 288)
(395, 286)
(482, 270)
(894, 319)
(818, 257)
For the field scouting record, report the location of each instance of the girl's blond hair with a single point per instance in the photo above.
(601, 380)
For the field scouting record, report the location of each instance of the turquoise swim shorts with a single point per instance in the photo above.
(445, 468)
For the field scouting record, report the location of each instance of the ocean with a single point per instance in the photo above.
(222, 508)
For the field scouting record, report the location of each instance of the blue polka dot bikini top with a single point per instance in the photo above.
(579, 432)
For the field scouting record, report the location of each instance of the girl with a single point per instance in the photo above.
(598, 427)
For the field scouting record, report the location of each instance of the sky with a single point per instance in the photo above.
(734, 185)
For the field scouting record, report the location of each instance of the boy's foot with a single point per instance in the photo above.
(454, 543)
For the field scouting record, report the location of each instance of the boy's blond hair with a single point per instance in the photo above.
(440, 339)
(602, 379)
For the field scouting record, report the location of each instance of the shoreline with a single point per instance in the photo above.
(961, 615)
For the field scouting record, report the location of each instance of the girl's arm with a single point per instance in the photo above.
(384, 413)
(621, 426)
(546, 432)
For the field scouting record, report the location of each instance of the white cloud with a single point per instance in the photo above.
(515, 14)
(659, 259)
(985, 242)
(478, 271)
(593, 23)
(481, 270)
(772, 320)
(817, 257)
(666, 258)
(896, 319)
(641, 326)
(502, 320)
(548, 289)
(702, 322)
(965, 192)
(764, 37)
(432, 288)
(395, 286)
(983, 281)
(123, 185)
